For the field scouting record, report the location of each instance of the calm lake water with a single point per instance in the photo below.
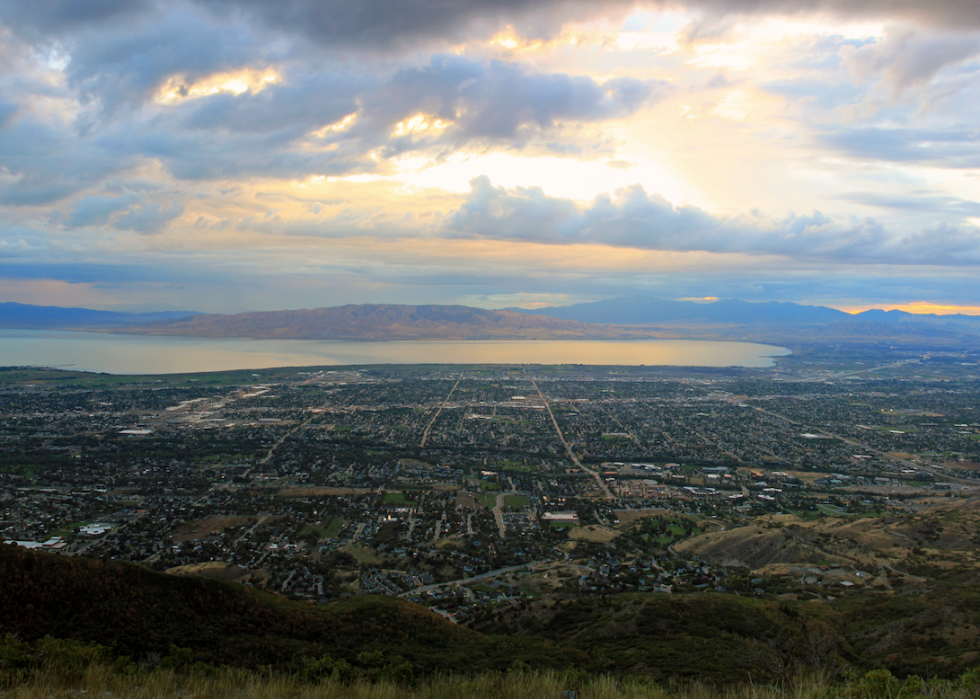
(140, 354)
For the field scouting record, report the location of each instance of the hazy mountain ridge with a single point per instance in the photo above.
(379, 322)
(612, 319)
(21, 315)
(639, 310)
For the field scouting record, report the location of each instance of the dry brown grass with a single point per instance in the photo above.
(98, 681)
(627, 517)
(316, 491)
(212, 569)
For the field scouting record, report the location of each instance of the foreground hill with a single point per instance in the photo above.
(721, 638)
(380, 322)
(138, 612)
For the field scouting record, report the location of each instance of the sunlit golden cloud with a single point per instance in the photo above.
(178, 88)
(418, 124)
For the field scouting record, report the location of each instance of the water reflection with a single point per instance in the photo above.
(138, 354)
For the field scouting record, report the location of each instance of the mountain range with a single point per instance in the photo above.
(620, 318)
(379, 322)
(643, 310)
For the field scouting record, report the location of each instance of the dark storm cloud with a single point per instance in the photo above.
(382, 23)
(52, 17)
(387, 24)
(125, 68)
(644, 221)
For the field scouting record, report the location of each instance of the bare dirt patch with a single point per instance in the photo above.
(630, 516)
(467, 501)
(761, 544)
(963, 465)
(593, 532)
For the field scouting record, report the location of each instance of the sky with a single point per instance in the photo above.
(234, 155)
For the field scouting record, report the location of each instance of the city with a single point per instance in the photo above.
(474, 489)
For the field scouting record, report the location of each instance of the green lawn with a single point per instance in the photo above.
(488, 499)
(398, 499)
(334, 528)
(516, 501)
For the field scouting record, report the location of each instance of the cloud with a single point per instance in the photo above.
(125, 67)
(496, 99)
(907, 58)
(639, 220)
(149, 217)
(280, 131)
(96, 210)
(917, 202)
(955, 147)
(386, 25)
(136, 213)
(52, 17)
(950, 13)
(7, 112)
(45, 162)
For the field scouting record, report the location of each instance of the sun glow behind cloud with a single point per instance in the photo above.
(418, 124)
(177, 88)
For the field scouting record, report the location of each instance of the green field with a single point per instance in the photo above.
(488, 499)
(398, 499)
(325, 530)
(516, 501)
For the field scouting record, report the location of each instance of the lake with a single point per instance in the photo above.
(143, 354)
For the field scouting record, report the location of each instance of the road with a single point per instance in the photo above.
(425, 434)
(247, 533)
(481, 576)
(568, 449)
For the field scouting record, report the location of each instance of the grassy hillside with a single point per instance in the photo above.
(718, 638)
(140, 613)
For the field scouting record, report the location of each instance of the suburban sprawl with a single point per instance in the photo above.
(474, 490)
